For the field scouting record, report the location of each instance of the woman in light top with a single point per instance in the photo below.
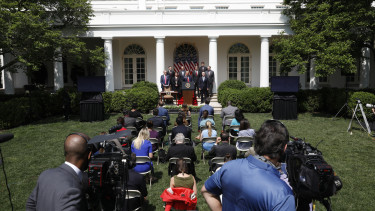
(245, 131)
(206, 133)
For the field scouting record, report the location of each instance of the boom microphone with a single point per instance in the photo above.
(6, 137)
(370, 106)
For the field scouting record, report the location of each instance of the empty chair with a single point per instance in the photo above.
(133, 200)
(216, 163)
(207, 140)
(188, 118)
(243, 144)
(145, 159)
(227, 119)
(232, 128)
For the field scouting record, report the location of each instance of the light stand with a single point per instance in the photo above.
(6, 179)
(367, 129)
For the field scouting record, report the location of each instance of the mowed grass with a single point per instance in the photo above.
(39, 146)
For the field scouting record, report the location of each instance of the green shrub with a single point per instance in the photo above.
(228, 84)
(232, 95)
(14, 112)
(333, 99)
(309, 100)
(255, 100)
(365, 98)
(118, 102)
(146, 84)
(146, 98)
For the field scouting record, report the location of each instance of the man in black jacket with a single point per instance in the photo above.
(157, 121)
(181, 128)
(222, 150)
(203, 86)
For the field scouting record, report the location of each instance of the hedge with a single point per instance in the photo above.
(142, 84)
(365, 98)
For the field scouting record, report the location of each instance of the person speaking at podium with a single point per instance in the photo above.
(187, 77)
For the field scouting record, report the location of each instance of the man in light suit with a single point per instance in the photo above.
(211, 79)
(64, 187)
(227, 111)
(164, 80)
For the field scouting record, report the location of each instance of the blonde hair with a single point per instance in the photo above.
(209, 128)
(143, 135)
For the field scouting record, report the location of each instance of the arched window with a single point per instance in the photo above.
(185, 55)
(239, 63)
(134, 67)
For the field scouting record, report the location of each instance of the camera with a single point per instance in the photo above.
(108, 176)
(370, 106)
(310, 176)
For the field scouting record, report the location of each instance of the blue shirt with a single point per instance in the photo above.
(203, 122)
(234, 122)
(146, 148)
(208, 146)
(250, 184)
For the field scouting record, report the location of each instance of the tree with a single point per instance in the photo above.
(37, 31)
(330, 31)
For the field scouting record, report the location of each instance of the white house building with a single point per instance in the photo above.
(144, 37)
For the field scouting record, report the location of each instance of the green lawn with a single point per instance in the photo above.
(39, 146)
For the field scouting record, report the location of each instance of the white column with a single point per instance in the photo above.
(142, 4)
(109, 81)
(264, 61)
(212, 57)
(159, 59)
(364, 78)
(313, 78)
(58, 73)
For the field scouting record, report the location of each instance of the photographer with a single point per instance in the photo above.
(254, 181)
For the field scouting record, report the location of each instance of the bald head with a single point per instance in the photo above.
(75, 148)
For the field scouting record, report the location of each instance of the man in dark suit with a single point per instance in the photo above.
(176, 84)
(170, 72)
(181, 128)
(187, 77)
(128, 121)
(163, 112)
(202, 67)
(157, 121)
(182, 150)
(64, 187)
(222, 149)
(182, 72)
(211, 79)
(197, 73)
(203, 86)
(164, 80)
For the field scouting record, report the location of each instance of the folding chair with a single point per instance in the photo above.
(188, 118)
(211, 116)
(155, 141)
(207, 140)
(233, 127)
(145, 159)
(229, 117)
(244, 139)
(218, 161)
(172, 163)
(134, 194)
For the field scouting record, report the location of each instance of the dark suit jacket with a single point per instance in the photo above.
(129, 122)
(203, 84)
(222, 149)
(181, 129)
(164, 112)
(182, 73)
(203, 68)
(135, 114)
(136, 182)
(58, 189)
(176, 84)
(196, 77)
(211, 76)
(162, 80)
(170, 73)
(182, 150)
(158, 122)
(185, 79)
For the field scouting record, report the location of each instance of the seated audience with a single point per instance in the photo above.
(153, 134)
(163, 112)
(119, 127)
(207, 133)
(128, 121)
(205, 118)
(185, 109)
(220, 150)
(206, 107)
(245, 131)
(181, 128)
(238, 116)
(227, 158)
(181, 114)
(227, 111)
(135, 182)
(183, 179)
(142, 147)
(134, 112)
(182, 150)
(158, 122)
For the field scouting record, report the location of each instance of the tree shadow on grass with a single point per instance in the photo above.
(60, 118)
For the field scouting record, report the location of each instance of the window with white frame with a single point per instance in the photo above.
(239, 63)
(134, 66)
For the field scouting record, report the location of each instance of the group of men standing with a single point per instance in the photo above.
(203, 78)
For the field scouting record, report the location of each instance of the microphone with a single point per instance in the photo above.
(370, 106)
(6, 137)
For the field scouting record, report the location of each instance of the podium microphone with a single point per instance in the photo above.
(6, 137)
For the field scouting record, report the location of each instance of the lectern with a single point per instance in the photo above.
(188, 92)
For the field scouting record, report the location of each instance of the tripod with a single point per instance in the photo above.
(367, 129)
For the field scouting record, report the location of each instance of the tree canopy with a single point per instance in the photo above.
(330, 31)
(36, 31)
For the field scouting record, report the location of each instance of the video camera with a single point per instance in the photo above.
(310, 176)
(108, 175)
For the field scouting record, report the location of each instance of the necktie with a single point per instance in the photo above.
(188, 79)
(165, 80)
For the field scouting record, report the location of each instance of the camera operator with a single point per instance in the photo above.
(253, 181)
(64, 187)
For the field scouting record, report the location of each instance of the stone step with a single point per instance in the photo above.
(214, 103)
